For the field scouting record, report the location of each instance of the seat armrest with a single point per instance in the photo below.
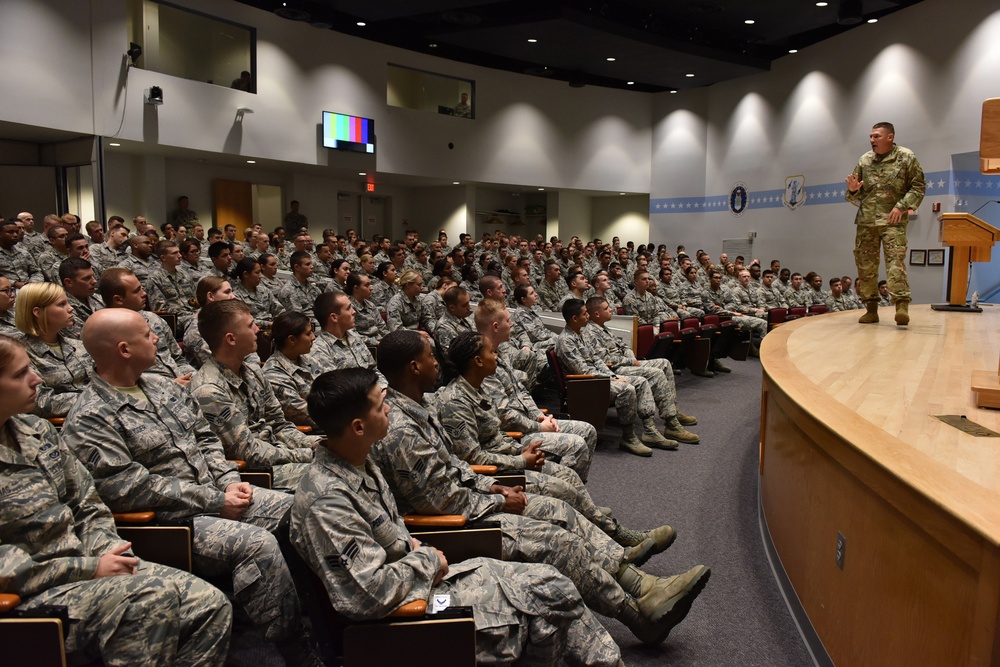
(439, 521)
(484, 469)
(305, 429)
(240, 465)
(413, 609)
(133, 518)
(57, 421)
(8, 601)
(517, 435)
(580, 376)
(545, 411)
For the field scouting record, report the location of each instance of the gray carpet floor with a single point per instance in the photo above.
(708, 492)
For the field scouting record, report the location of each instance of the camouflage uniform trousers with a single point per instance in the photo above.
(550, 531)
(160, 616)
(751, 323)
(660, 376)
(632, 397)
(530, 362)
(527, 614)
(892, 239)
(248, 550)
(567, 446)
(558, 481)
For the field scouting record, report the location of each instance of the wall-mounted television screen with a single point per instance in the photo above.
(348, 133)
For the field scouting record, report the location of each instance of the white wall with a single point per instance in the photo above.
(927, 69)
(626, 217)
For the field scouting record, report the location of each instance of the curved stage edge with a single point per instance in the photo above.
(851, 445)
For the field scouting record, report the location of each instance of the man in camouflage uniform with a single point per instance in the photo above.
(836, 301)
(141, 262)
(54, 253)
(746, 301)
(77, 278)
(884, 298)
(671, 296)
(426, 478)
(551, 289)
(659, 373)
(368, 322)
(573, 442)
(111, 253)
(60, 549)
(337, 344)
(238, 401)
(528, 324)
(16, 263)
(120, 288)
(301, 291)
(886, 184)
(149, 448)
(631, 394)
(456, 319)
(346, 526)
(771, 295)
(645, 305)
(170, 289)
(797, 295)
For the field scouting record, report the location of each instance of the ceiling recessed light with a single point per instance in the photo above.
(114, 144)
(433, 46)
(873, 20)
(673, 91)
(749, 21)
(630, 83)
(532, 41)
(793, 50)
(689, 75)
(540, 189)
(362, 173)
(611, 60)
(455, 183)
(822, 4)
(621, 193)
(361, 24)
(251, 161)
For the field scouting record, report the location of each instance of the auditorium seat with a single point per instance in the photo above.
(584, 397)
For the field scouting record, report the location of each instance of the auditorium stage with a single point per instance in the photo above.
(850, 444)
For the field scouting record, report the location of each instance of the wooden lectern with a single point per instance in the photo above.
(970, 240)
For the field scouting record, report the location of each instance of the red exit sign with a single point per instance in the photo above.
(370, 187)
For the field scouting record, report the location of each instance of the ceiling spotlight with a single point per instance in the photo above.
(362, 173)
(630, 83)
(361, 24)
(540, 189)
(251, 161)
(822, 4)
(611, 60)
(689, 76)
(873, 20)
(455, 183)
(749, 21)
(673, 91)
(532, 41)
(621, 193)
(793, 50)
(432, 45)
(114, 144)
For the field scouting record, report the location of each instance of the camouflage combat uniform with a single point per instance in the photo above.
(244, 413)
(472, 422)
(772, 297)
(54, 529)
(346, 526)
(672, 297)
(382, 292)
(448, 327)
(299, 297)
(331, 353)
(744, 300)
(104, 257)
(649, 308)
(170, 362)
(435, 307)
(575, 442)
(142, 268)
(893, 180)
(291, 382)
(18, 266)
(368, 322)
(405, 313)
(65, 373)
(549, 296)
(426, 478)
(170, 292)
(659, 373)
(264, 306)
(528, 323)
(631, 397)
(82, 310)
(160, 454)
(49, 262)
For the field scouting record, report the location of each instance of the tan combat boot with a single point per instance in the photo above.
(902, 313)
(871, 317)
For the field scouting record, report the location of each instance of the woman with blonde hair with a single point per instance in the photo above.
(405, 309)
(42, 310)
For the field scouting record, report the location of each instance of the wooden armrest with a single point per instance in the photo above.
(410, 609)
(440, 521)
(305, 429)
(240, 465)
(8, 601)
(134, 517)
(517, 435)
(545, 411)
(57, 421)
(484, 470)
(581, 376)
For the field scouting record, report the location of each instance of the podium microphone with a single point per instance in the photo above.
(988, 202)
